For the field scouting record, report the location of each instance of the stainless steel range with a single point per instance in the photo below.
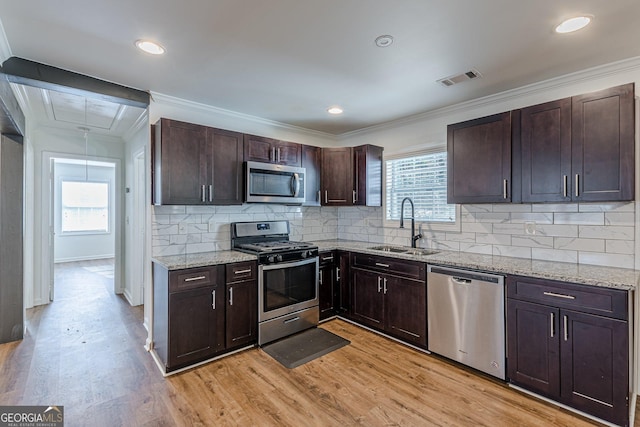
(287, 277)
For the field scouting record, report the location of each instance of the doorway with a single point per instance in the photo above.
(82, 219)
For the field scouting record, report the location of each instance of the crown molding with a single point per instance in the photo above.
(141, 122)
(590, 74)
(209, 109)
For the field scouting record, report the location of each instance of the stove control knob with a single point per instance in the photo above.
(309, 253)
(304, 254)
(270, 259)
(279, 258)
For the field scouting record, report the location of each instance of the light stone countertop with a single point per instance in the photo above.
(202, 259)
(609, 277)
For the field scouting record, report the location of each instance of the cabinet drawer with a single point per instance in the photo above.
(400, 267)
(585, 298)
(241, 271)
(192, 278)
(327, 258)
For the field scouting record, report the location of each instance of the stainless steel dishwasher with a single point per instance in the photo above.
(465, 318)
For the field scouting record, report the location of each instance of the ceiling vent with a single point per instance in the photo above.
(458, 78)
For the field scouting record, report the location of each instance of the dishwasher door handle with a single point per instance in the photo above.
(460, 280)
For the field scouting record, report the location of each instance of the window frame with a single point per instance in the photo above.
(421, 225)
(86, 232)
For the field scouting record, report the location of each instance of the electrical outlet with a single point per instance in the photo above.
(182, 228)
(530, 227)
(212, 227)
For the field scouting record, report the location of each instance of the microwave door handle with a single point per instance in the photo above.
(295, 184)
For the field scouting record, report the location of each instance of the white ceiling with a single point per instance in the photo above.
(288, 60)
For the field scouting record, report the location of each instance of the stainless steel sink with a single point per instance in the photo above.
(389, 249)
(401, 250)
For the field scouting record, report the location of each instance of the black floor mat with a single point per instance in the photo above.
(305, 346)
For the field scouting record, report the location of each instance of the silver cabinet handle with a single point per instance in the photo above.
(337, 274)
(504, 188)
(320, 279)
(272, 157)
(379, 264)
(193, 279)
(566, 328)
(329, 258)
(384, 282)
(213, 299)
(553, 294)
(295, 184)
(319, 199)
(248, 270)
(211, 192)
(565, 184)
(326, 196)
(577, 185)
(353, 197)
(291, 320)
(552, 324)
(278, 154)
(204, 194)
(379, 285)
(231, 296)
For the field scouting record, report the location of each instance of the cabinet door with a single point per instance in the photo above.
(196, 325)
(179, 163)
(545, 136)
(343, 289)
(288, 153)
(326, 286)
(242, 309)
(479, 160)
(367, 298)
(337, 177)
(224, 173)
(367, 163)
(595, 365)
(603, 145)
(311, 163)
(259, 149)
(406, 309)
(533, 347)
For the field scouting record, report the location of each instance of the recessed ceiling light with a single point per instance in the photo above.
(384, 41)
(573, 24)
(335, 110)
(150, 47)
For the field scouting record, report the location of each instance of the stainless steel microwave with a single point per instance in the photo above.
(272, 183)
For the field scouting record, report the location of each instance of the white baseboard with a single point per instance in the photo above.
(83, 258)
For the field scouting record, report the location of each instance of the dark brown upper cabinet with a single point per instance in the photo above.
(579, 149)
(352, 176)
(545, 138)
(602, 145)
(196, 165)
(268, 150)
(479, 160)
(311, 161)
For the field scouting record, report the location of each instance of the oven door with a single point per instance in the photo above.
(287, 287)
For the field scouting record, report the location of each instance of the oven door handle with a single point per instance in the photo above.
(281, 265)
(295, 184)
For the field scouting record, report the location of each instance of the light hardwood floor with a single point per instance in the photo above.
(85, 351)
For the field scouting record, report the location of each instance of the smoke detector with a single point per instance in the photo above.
(459, 78)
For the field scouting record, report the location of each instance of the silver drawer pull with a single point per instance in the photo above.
(460, 280)
(242, 271)
(553, 294)
(329, 258)
(291, 320)
(193, 279)
(379, 264)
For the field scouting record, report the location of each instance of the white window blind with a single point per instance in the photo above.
(85, 207)
(423, 178)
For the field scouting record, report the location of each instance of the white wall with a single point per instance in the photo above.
(51, 140)
(85, 246)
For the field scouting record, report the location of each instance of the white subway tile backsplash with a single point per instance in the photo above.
(579, 218)
(476, 248)
(477, 227)
(443, 245)
(557, 230)
(554, 207)
(554, 255)
(169, 209)
(607, 207)
(493, 239)
(494, 217)
(511, 207)
(620, 247)
(512, 251)
(477, 208)
(612, 232)
(533, 241)
(620, 218)
(577, 244)
(539, 218)
(508, 228)
(611, 260)
(460, 237)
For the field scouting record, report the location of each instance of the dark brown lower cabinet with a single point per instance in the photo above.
(343, 288)
(570, 343)
(393, 304)
(327, 284)
(241, 304)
